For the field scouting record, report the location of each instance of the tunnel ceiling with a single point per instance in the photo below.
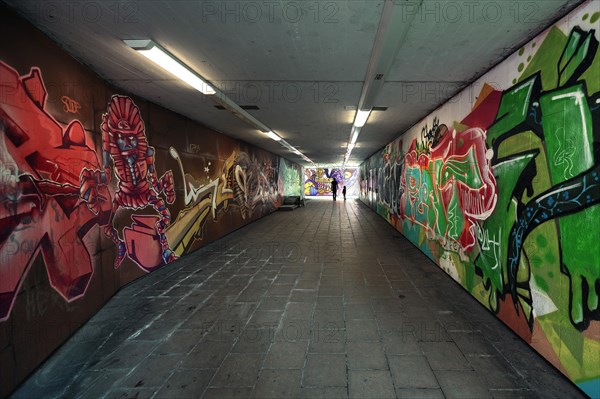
(302, 63)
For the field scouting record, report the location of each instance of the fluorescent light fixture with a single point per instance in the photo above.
(350, 147)
(355, 132)
(361, 117)
(171, 64)
(273, 135)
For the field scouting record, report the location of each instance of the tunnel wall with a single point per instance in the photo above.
(500, 187)
(58, 262)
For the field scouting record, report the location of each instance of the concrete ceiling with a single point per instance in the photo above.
(301, 70)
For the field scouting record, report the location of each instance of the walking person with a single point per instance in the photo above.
(344, 192)
(334, 188)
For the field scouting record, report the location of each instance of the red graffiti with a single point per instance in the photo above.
(449, 187)
(41, 213)
(126, 151)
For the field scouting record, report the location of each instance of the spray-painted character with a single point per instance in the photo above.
(124, 143)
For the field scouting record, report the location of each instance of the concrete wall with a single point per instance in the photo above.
(501, 188)
(99, 188)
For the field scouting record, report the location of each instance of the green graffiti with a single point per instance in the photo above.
(513, 113)
(561, 116)
(568, 127)
(291, 179)
(575, 58)
(496, 230)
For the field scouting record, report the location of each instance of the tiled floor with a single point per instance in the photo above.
(327, 301)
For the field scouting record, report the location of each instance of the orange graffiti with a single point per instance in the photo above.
(71, 105)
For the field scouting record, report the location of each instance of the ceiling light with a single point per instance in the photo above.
(355, 132)
(361, 117)
(273, 135)
(168, 62)
(350, 147)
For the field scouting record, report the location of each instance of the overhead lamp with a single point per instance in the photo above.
(350, 147)
(355, 132)
(273, 135)
(171, 64)
(361, 117)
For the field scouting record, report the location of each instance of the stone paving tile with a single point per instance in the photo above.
(200, 320)
(366, 355)
(472, 343)
(277, 384)
(330, 323)
(461, 384)
(412, 372)
(227, 393)
(280, 290)
(330, 290)
(292, 330)
(496, 373)
(151, 372)
(185, 384)
(376, 384)
(98, 386)
(324, 393)
(325, 370)
(444, 356)
(131, 393)
(549, 384)
(328, 319)
(358, 311)
(286, 355)
(416, 393)
(286, 279)
(238, 370)
(207, 355)
(273, 303)
(266, 318)
(181, 341)
(515, 394)
(238, 311)
(254, 340)
(224, 331)
(298, 310)
(356, 298)
(307, 285)
(328, 341)
(127, 356)
(308, 296)
(397, 343)
(362, 330)
(330, 303)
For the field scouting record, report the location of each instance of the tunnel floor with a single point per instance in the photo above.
(326, 301)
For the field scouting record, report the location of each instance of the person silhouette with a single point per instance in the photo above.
(334, 187)
(344, 192)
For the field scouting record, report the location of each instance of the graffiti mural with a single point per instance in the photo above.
(244, 183)
(55, 189)
(448, 187)
(506, 199)
(125, 146)
(41, 213)
(291, 178)
(318, 181)
(94, 193)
